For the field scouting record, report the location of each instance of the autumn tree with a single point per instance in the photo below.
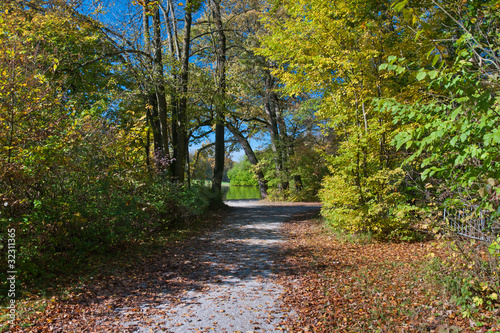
(255, 106)
(155, 50)
(44, 88)
(333, 50)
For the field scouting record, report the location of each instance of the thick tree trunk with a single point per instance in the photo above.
(179, 162)
(147, 149)
(152, 115)
(298, 183)
(159, 82)
(284, 144)
(150, 100)
(173, 44)
(272, 125)
(221, 78)
(175, 134)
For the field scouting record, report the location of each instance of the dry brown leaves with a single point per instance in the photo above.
(337, 286)
(90, 307)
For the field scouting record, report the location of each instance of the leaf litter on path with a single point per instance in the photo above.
(223, 281)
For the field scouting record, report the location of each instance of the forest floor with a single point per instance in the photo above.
(337, 283)
(265, 268)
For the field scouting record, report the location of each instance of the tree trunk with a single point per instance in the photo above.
(298, 183)
(147, 148)
(220, 108)
(175, 134)
(150, 100)
(152, 115)
(276, 144)
(284, 144)
(159, 82)
(179, 162)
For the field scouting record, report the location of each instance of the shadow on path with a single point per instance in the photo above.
(222, 281)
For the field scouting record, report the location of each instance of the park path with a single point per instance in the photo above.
(239, 293)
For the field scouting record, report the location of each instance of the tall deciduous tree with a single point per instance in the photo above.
(156, 51)
(333, 49)
(220, 51)
(256, 99)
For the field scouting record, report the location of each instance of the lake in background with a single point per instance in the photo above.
(240, 192)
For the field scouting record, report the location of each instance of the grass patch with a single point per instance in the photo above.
(357, 238)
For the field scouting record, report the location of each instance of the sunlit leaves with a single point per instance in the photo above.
(242, 174)
(26, 93)
(421, 75)
(337, 50)
(457, 137)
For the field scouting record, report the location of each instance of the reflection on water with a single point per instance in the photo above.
(240, 192)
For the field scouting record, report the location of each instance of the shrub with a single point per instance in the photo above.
(242, 174)
(376, 207)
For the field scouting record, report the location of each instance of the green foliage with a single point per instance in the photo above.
(242, 174)
(454, 135)
(494, 248)
(455, 138)
(302, 174)
(309, 164)
(376, 207)
(469, 290)
(452, 281)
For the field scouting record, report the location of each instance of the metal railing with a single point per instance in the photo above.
(468, 222)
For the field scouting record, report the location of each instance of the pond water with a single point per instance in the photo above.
(240, 192)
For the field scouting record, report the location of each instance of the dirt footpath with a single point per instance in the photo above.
(239, 294)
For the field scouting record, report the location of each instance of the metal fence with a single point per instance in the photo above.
(468, 222)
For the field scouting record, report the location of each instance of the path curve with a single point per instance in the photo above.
(241, 295)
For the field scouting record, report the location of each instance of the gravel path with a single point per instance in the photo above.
(239, 295)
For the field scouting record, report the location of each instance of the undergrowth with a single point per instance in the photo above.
(475, 293)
